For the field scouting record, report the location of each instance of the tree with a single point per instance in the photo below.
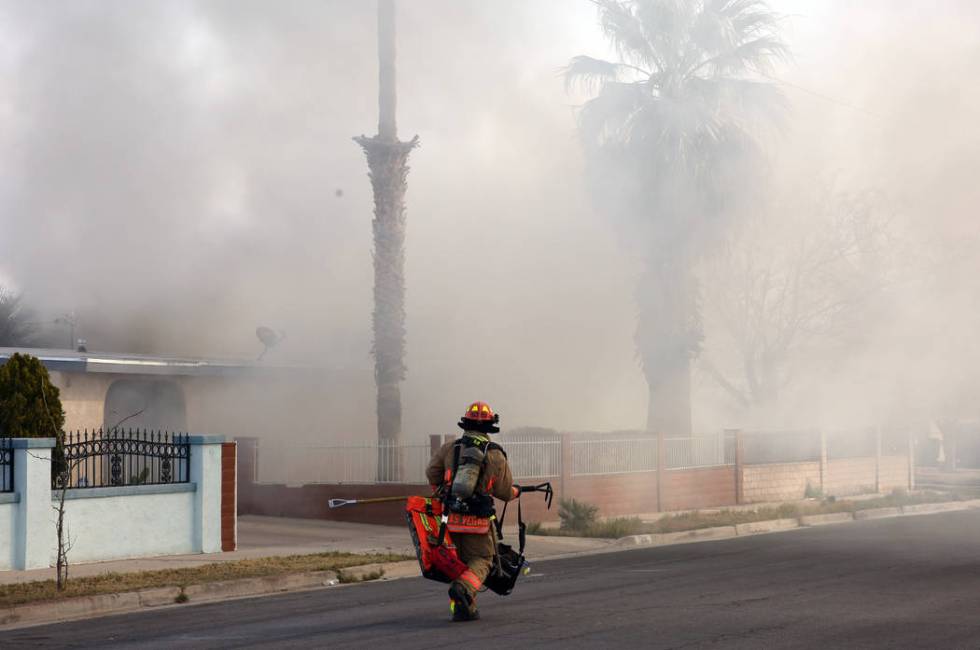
(791, 280)
(387, 159)
(16, 329)
(668, 132)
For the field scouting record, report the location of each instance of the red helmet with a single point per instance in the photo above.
(479, 417)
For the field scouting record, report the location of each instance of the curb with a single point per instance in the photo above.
(682, 537)
(877, 513)
(131, 601)
(780, 525)
(824, 520)
(770, 526)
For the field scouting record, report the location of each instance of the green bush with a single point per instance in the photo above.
(577, 515)
(30, 405)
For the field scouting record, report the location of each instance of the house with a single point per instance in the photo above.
(224, 397)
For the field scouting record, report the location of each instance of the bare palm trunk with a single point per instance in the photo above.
(667, 335)
(387, 159)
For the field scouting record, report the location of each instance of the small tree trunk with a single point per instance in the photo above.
(668, 334)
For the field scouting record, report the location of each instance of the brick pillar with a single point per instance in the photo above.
(229, 496)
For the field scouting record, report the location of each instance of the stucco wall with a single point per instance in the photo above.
(82, 398)
(136, 523)
(8, 516)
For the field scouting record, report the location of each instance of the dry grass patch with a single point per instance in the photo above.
(109, 583)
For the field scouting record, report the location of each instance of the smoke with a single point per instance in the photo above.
(180, 172)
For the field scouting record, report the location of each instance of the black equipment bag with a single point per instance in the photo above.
(508, 564)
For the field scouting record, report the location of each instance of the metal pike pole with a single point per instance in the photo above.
(337, 503)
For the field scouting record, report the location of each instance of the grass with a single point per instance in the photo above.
(108, 583)
(624, 526)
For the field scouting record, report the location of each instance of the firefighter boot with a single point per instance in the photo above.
(461, 604)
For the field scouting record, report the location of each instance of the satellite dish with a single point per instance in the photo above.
(269, 337)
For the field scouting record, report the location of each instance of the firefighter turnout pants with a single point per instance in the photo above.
(476, 551)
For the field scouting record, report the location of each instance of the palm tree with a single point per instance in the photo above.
(667, 132)
(16, 327)
(387, 159)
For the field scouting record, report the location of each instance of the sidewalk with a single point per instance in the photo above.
(273, 536)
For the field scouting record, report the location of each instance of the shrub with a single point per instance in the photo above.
(576, 515)
(30, 405)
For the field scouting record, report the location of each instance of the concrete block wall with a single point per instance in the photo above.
(778, 481)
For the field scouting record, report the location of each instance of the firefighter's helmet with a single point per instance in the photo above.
(479, 417)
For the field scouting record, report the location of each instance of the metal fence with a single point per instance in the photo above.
(700, 451)
(352, 463)
(6, 465)
(121, 457)
(613, 456)
(532, 456)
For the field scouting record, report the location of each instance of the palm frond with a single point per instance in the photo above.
(590, 74)
(625, 31)
(607, 117)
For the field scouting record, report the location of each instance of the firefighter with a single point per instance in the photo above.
(468, 473)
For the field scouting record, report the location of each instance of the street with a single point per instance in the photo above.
(903, 582)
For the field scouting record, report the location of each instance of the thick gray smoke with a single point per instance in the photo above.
(180, 172)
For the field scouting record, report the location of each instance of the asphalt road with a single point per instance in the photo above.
(895, 583)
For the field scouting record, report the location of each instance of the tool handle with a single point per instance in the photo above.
(549, 493)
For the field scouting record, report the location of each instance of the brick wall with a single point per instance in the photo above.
(893, 473)
(702, 487)
(779, 481)
(847, 476)
(615, 494)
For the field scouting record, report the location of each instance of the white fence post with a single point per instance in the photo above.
(206, 474)
(35, 539)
